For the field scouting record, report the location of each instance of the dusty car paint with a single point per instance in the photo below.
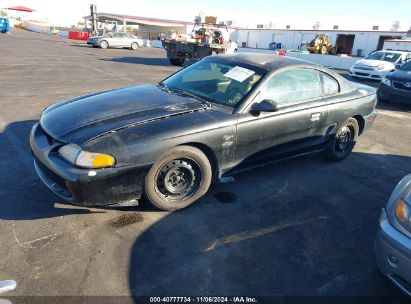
(138, 124)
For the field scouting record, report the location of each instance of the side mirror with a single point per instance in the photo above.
(267, 105)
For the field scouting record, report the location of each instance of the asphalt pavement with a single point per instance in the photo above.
(301, 227)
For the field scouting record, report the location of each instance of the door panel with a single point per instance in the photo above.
(297, 126)
(291, 130)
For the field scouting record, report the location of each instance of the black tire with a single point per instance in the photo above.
(180, 62)
(134, 46)
(104, 44)
(178, 179)
(343, 141)
(176, 61)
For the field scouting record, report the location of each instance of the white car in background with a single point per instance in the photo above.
(116, 40)
(379, 64)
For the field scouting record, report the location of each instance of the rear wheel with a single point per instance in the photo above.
(134, 46)
(176, 61)
(104, 44)
(343, 141)
(178, 179)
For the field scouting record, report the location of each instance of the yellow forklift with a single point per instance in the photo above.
(321, 44)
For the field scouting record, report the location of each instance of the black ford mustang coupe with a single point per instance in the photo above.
(171, 140)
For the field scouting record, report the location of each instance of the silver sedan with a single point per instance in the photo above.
(116, 40)
(393, 243)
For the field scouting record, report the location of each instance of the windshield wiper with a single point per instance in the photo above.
(189, 94)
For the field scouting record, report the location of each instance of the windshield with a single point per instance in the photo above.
(216, 80)
(384, 56)
(406, 67)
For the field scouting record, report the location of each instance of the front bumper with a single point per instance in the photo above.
(86, 187)
(392, 94)
(95, 43)
(368, 74)
(393, 254)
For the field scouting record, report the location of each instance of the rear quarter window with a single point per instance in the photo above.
(330, 85)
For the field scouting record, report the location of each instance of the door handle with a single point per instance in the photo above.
(315, 116)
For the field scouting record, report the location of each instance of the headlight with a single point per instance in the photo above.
(75, 155)
(402, 213)
(386, 81)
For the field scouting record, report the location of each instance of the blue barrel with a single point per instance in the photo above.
(4, 25)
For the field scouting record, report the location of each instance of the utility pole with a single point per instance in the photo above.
(93, 15)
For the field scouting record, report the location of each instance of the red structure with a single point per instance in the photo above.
(78, 35)
(21, 9)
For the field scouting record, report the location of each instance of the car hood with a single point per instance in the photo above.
(374, 63)
(81, 119)
(401, 75)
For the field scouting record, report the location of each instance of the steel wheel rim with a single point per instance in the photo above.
(344, 139)
(178, 180)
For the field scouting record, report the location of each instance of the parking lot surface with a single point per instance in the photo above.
(299, 227)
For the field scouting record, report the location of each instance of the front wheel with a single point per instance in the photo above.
(104, 44)
(343, 141)
(178, 179)
(134, 46)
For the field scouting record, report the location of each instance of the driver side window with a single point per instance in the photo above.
(293, 86)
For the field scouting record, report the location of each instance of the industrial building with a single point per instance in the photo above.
(350, 42)
(148, 28)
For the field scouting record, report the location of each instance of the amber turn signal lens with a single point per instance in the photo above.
(94, 160)
(402, 211)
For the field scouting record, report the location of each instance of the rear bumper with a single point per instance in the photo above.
(393, 254)
(392, 94)
(86, 187)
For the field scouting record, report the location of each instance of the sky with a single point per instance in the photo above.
(300, 14)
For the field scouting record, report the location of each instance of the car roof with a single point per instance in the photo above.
(268, 61)
(392, 51)
(273, 62)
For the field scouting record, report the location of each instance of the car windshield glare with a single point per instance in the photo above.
(217, 80)
(384, 56)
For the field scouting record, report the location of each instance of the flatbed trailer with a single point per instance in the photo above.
(194, 49)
